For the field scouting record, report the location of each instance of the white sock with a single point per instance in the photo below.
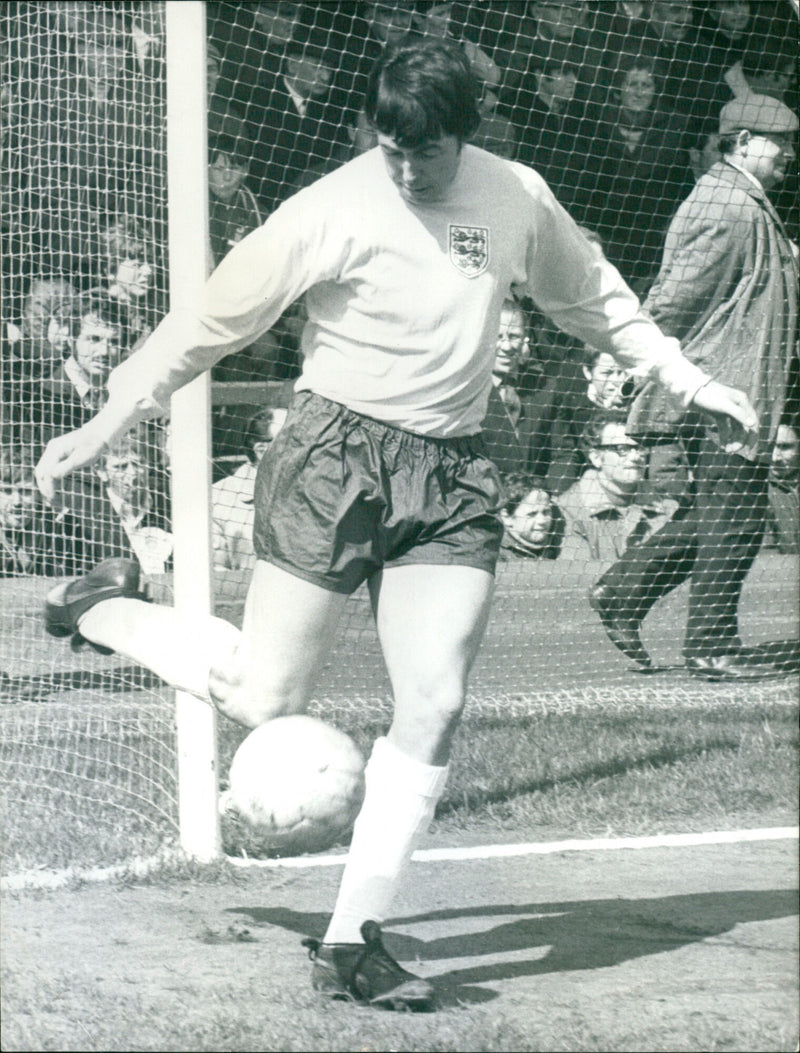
(397, 811)
(180, 649)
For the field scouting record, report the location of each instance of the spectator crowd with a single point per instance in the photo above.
(616, 104)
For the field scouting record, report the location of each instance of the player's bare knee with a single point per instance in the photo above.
(443, 697)
(241, 706)
(426, 721)
(249, 699)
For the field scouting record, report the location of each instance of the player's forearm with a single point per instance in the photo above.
(179, 350)
(660, 358)
(640, 346)
(114, 420)
(586, 296)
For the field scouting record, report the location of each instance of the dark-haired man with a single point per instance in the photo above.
(96, 332)
(405, 256)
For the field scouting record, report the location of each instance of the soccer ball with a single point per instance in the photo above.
(296, 786)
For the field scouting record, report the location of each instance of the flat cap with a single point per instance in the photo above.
(757, 113)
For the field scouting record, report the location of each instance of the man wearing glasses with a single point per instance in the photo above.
(607, 510)
(727, 289)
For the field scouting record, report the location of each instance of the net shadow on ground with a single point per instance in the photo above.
(40, 687)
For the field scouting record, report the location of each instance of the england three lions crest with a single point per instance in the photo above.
(469, 249)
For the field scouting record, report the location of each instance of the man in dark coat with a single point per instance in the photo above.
(304, 118)
(727, 289)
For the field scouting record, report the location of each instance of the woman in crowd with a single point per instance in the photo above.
(635, 171)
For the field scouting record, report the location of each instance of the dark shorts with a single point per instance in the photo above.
(339, 496)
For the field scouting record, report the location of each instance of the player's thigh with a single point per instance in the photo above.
(289, 627)
(430, 620)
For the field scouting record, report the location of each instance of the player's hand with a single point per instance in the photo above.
(64, 455)
(736, 420)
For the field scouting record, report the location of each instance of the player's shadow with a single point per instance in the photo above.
(561, 937)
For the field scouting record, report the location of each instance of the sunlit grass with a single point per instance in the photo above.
(581, 773)
(69, 1015)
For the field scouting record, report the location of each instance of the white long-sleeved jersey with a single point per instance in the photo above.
(404, 299)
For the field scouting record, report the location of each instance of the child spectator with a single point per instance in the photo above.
(607, 509)
(232, 206)
(534, 524)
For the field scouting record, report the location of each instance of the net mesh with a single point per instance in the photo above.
(616, 104)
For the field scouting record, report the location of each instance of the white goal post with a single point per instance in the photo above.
(189, 265)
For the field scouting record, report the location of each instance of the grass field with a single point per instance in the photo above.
(561, 739)
(559, 735)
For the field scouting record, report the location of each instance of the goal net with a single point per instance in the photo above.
(617, 105)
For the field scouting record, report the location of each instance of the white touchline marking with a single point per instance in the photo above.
(142, 867)
(544, 848)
